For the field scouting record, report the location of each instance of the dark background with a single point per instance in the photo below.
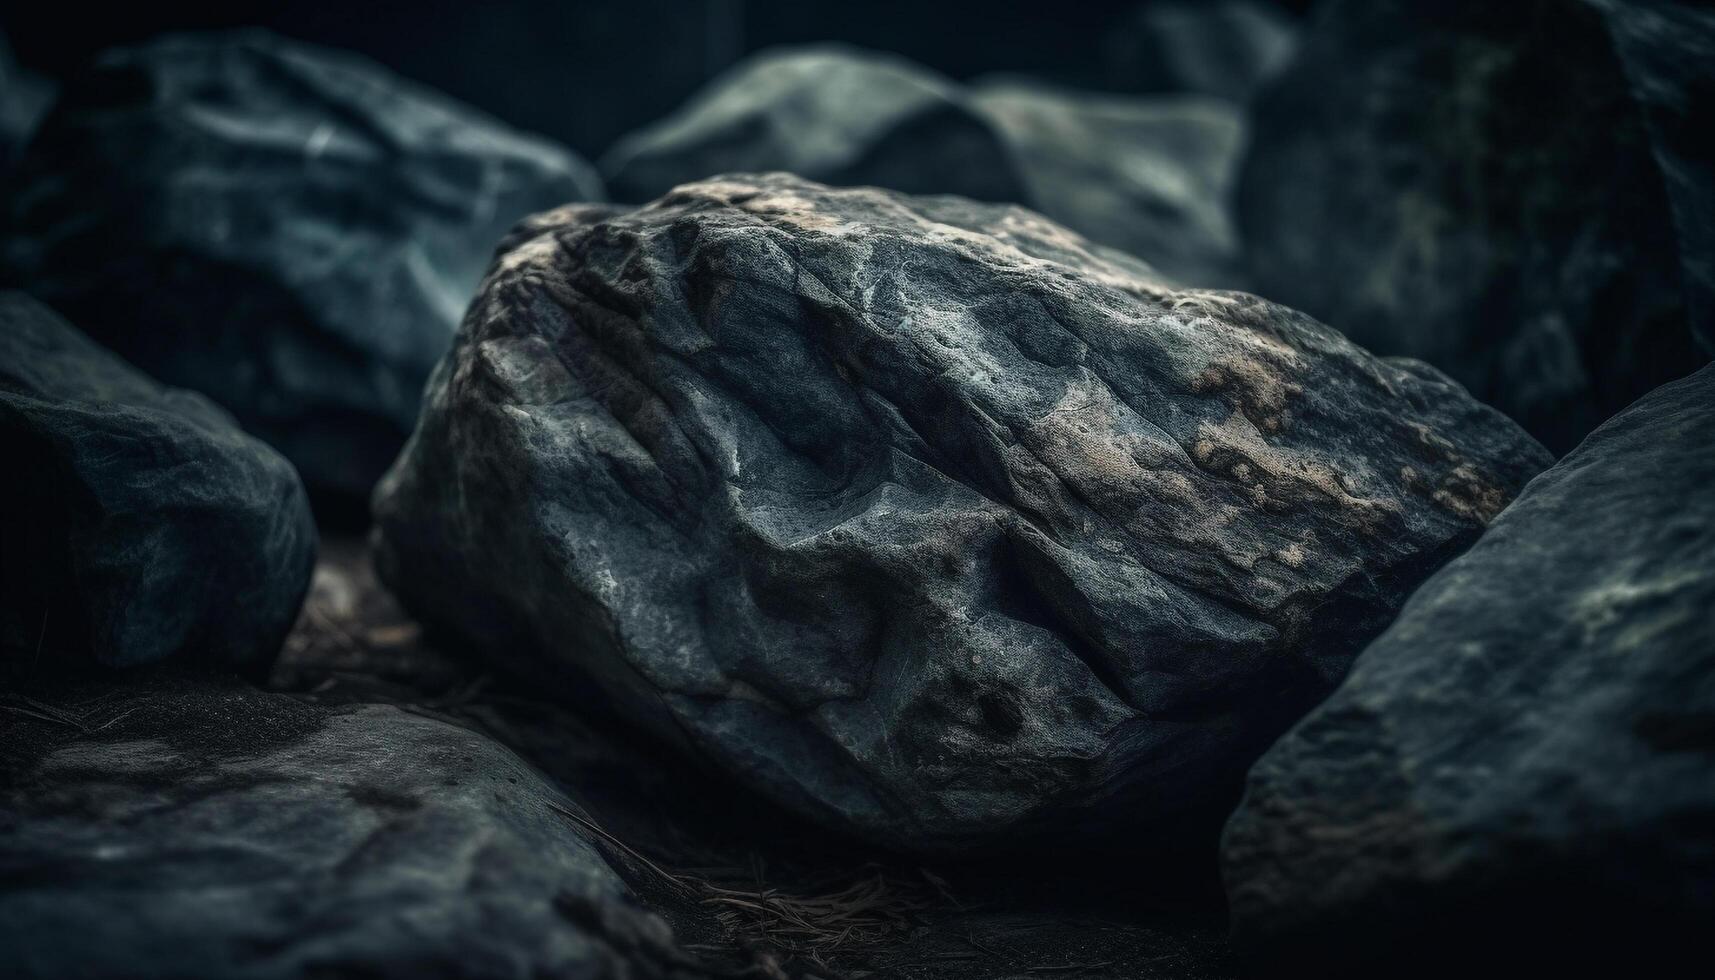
(586, 72)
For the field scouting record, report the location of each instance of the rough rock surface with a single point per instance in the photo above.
(291, 231)
(138, 521)
(1150, 176)
(925, 517)
(826, 112)
(1529, 749)
(1474, 184)
(1225, 48)
(197, 829)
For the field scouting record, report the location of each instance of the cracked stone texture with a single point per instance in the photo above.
(1150, 176)
(1478, 185)
(1224, 48)
(1529, 749)
(202, 829)
(829, 113)
(139, 522)
(291, 231)
(926, 518)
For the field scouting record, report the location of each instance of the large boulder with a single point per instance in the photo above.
(1475, 184)
(1522, 765)
(830, 113)
(1224, 48)
(139, 522)
(291, 231)
(925, 517)
(200, 829)
(1152, 176)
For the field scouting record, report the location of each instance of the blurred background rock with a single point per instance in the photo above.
(568, 70)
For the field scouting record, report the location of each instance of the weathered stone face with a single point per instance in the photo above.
(139, 522)
(829, 113)
(1151, 176)
(1476, 185)
(200, 829)
(293, 232)
(1526, 753)
(924, 517)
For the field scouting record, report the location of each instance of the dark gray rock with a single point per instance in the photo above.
(1523, 765)
(1667, 48)
(924, 517)
(291, 231)
(202, 830)
(139, 522)
(826, 112)
(1474, 184)
(1150, 176)
(1226, 48)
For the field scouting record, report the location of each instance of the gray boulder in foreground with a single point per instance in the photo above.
(1151, 176)
(291, 231)
(1496, 189)
(1523, 765)
(829, 113)
(205, 830)
(924, 517)
(139, 522)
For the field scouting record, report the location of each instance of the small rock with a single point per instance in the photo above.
(924, 517)
(203, 829)
(826, 112)
(1150, 176)
(1225, 48)
(139, 522)
(1523, 766)
(291, 231)
(1476, 185)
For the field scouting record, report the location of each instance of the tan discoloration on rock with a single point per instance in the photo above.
(1462, 487)
(1469, 494)
(1254, 388)
(537, 252)
(1258, 378)
(1275, 477)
